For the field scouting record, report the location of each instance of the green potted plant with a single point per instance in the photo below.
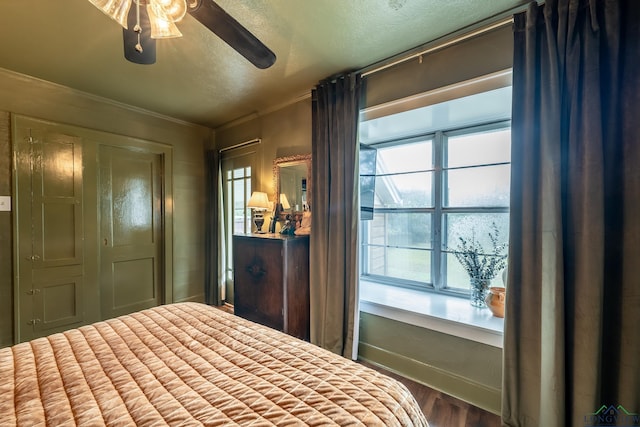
(480, 264)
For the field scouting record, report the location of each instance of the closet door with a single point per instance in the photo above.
(93, 226)
(131, 209)
(50, 229)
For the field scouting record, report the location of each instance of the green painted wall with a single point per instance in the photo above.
(6, 242)
(36, 98)
(284, 132)
(465, 369)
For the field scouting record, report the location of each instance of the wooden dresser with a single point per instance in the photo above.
(271, 281)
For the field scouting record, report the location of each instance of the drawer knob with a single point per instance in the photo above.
(256, 270)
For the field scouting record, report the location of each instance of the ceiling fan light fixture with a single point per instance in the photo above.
(158, 20)
(162, 26)
(115, 9)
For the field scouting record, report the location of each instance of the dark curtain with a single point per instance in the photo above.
(572, 324)
(334, 203)
(212, 291)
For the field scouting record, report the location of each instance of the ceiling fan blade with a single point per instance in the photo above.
(235, 35)
(130, 38)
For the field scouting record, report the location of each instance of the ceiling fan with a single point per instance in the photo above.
(145, 21)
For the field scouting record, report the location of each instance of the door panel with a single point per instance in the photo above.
(50, 243)
(59, 232)
(133, 281)
(57, 201)
(130, 225)
(57, 303)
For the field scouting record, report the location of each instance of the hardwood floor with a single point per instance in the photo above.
(442, 410)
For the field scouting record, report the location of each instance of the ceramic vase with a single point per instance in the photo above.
(495, 300)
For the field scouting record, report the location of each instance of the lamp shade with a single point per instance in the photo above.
(115, 9)
(175, 9)
(284, 201)
(258, 200)
(162, 27)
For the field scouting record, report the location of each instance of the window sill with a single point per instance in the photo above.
(447, 314)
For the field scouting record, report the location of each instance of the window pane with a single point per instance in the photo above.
(479, 148)
(480, 186)
(458, 279)
(400, 263)
(475, 225)
(229, 215)
(470, 226)
(411, 190)
(367, 197)
(242, 172)
(238, 194)
(368, 156)
(392, 246)
(411, 157)
(240, 211)
(400, 229)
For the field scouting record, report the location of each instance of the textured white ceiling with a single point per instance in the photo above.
(200, 79)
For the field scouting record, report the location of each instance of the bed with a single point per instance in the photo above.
(191, 364)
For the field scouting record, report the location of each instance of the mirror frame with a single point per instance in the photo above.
(290, 161)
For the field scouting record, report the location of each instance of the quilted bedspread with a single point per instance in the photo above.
(191, 364)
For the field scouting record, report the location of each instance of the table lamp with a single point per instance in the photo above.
(259, 202)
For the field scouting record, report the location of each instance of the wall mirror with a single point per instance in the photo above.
(292, 178)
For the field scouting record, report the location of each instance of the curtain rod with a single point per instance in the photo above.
(498, 21)
(241, 144)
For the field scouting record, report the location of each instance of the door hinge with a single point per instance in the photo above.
(33, 291)
(34, 321)
(33, 258)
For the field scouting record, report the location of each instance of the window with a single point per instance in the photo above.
(238, 173)
(238, 190)
(441, 172)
